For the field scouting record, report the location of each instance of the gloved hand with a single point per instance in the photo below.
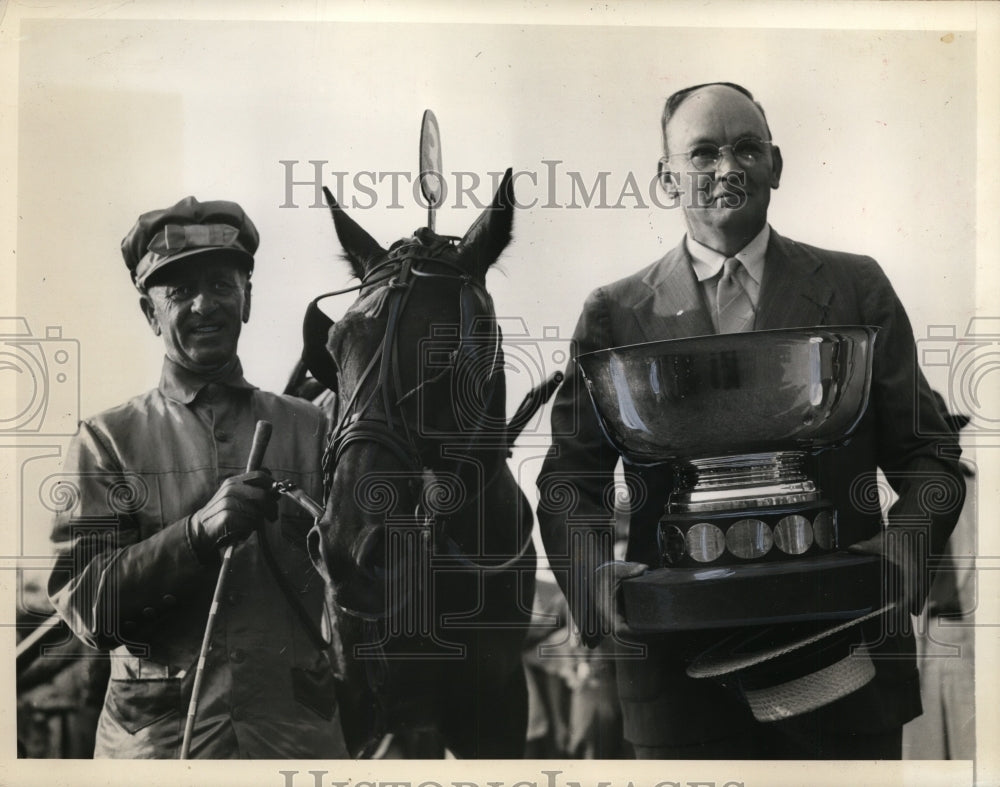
(241, 503)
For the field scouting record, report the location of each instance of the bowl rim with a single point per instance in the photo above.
(871, 330)
(813, 445)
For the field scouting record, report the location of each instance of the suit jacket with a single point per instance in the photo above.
(129, 581)
(802, 286)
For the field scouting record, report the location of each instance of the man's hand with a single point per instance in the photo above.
(910, 584)
(241, 503)
(607, 580)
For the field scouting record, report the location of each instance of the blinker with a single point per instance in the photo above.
(316, 327)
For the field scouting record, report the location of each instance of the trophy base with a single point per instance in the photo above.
(762, 534)
(744, 507)
(837, 586)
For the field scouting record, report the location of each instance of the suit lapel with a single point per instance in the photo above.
(792, 294)
(672, 307)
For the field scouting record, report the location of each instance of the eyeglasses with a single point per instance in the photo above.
(747, 152)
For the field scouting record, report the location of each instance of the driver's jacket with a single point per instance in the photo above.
(128, 580)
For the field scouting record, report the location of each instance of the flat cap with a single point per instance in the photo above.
(190, 227)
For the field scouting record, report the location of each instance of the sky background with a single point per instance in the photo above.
(880, 130)
(119, 117)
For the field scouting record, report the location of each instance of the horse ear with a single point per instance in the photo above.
(491, 232)
(360, 247)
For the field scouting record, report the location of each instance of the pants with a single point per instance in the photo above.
(783, 741)
(668, 715)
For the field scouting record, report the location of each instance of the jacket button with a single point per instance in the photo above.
(149, 613)
(237, 656)
(169, 600)
(221, 436)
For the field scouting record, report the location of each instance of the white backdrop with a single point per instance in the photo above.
(119, 117)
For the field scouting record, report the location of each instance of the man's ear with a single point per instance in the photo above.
(776, 165)
(667, 179)
(149, 310)
(246, 302)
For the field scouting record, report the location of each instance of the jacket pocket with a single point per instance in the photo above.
(316, 689)
(136, 704)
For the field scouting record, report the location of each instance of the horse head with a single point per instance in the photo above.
(417, 365)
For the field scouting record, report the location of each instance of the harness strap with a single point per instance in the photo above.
(374, 432)
(398, 438)
(454, 551)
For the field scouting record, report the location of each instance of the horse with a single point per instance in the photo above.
(425, 541)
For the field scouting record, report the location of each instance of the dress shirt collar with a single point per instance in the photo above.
(708, 262)
(183, 385)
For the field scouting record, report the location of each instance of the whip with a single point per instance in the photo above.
(261, 436)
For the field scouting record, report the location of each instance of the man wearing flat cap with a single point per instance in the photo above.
(158, 486)
(732, 273)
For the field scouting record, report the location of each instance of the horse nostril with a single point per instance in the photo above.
(333, 572)
(329, 560)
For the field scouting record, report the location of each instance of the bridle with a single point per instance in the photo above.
(407, 264)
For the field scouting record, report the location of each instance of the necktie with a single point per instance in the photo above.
(733, 306)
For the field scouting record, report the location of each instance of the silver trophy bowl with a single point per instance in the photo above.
(709, 396)
(735, 416)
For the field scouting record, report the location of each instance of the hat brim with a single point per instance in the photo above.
(730, 656)
(795, 674)
(227, 253)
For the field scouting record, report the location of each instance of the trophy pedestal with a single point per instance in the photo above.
(748, 540)
(837, 586)
(746, 507)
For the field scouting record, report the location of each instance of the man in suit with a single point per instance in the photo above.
(720, 161)
(158, 486)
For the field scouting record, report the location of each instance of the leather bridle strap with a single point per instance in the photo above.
(375, 432)
(354, 427)
(454, 551)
